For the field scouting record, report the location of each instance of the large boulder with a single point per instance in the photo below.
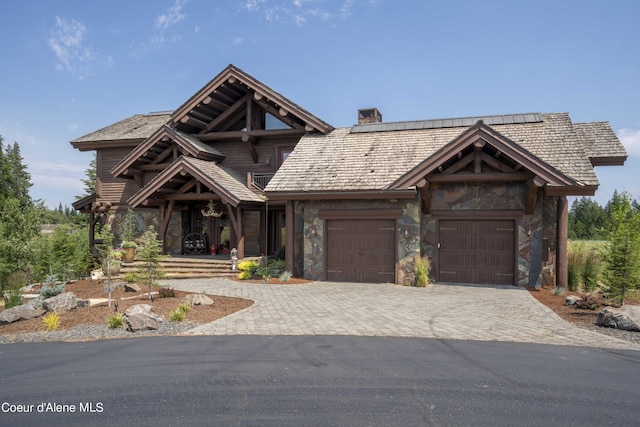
(131, 287)
(62, 302)
(197, 299)
(141, 317)
(21, 312)
(626, 317)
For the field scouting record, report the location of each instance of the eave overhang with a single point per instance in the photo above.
(407, 193)
(113, 143)
(213, 178)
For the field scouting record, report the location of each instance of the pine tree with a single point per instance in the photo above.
(150, 270)
(90, 179)
(622, 252)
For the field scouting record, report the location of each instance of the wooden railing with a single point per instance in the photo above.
(260, 180)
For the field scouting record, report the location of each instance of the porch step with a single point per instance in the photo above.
(188, 267)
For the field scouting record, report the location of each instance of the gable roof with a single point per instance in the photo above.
(126, 132)
(187, 143)
(232, 86)
(231, 188)
(373, 161)
(601, 143)
(479, 135)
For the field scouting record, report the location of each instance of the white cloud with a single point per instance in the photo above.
(67, 41)
(301, 11)
(630, 138)
(172, 16)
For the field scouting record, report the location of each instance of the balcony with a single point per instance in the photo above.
(260, 180)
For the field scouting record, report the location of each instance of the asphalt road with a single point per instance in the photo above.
(318, 381)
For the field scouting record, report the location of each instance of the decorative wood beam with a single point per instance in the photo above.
(191, 121)
(481, 177)
(250, 141)
(138, 179)
(459, 165)
(308, 128)
(257, 96)
(491, 161)
(201, 116)
(289, 120)
(215, 103)
(477, 162)
(219, 93)
(132, 172)
(532, 194)
(186, 187)
(152, 168)
(425, 196)
(193, 196)
(233, 120)
(283, 112)
(226, 114)
(258, 133)
(162, 156)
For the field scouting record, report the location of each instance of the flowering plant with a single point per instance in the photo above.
(116, 254)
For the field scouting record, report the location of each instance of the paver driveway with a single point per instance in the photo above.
(487, 313)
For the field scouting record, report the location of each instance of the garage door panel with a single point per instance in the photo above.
(361, 250)
(477, 251)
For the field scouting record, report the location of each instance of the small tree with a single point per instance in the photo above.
(105, 249)
(622, 251)
(150, 253)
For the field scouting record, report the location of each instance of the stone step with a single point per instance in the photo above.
(187, 267)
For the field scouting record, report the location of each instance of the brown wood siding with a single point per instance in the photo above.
(477, 251)
(360, 250)
(239, 158)
(110, 189)
(251, 228)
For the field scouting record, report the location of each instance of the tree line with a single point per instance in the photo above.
(590, 221)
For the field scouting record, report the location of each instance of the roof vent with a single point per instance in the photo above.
(369, 115)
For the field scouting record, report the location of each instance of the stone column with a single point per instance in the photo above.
(290, 231)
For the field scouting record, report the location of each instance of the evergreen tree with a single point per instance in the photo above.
(90, 179)
(587, 220)
(622, 252)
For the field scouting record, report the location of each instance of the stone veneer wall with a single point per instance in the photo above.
(309, 234)
(145, 218)
(493, 196)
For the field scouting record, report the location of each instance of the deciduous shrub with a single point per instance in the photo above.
(166, 292)
(244, 275)
(248, 266)
(285, 276)
(184, 307)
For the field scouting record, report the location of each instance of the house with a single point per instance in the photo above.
(485, 198)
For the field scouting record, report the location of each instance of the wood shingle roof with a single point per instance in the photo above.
(371, 161)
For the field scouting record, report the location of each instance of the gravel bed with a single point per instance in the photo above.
(96, 332)
(630, 336)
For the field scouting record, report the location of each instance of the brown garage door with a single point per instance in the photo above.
(361, 250)
(477, 252)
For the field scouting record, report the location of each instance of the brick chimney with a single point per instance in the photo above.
(369, 115)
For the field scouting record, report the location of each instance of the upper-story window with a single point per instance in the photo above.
(271, 123)
(284, 153)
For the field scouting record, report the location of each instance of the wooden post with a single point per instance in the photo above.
(240, 236)
(289, 253)
(562, 224)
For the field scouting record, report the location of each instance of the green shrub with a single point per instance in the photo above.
(184, 307)
(587, 302)
(12, 298)
(177, 315)
(244, 275)
(248, 266)
(575, 265)
(51, 321)
(17, 279)
(285, 276)
(49, 291)
(591, 269)
(115, 321)
(557, 291)
(130, 277)
(422, 271)
(270, 268)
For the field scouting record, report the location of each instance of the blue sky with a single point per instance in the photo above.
(72, 67)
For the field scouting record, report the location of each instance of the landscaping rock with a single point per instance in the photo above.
(141, 317)
(626, 317)
(63, 302)
(197, 299)
(21, 312)
(571, 299)
(131, 287)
